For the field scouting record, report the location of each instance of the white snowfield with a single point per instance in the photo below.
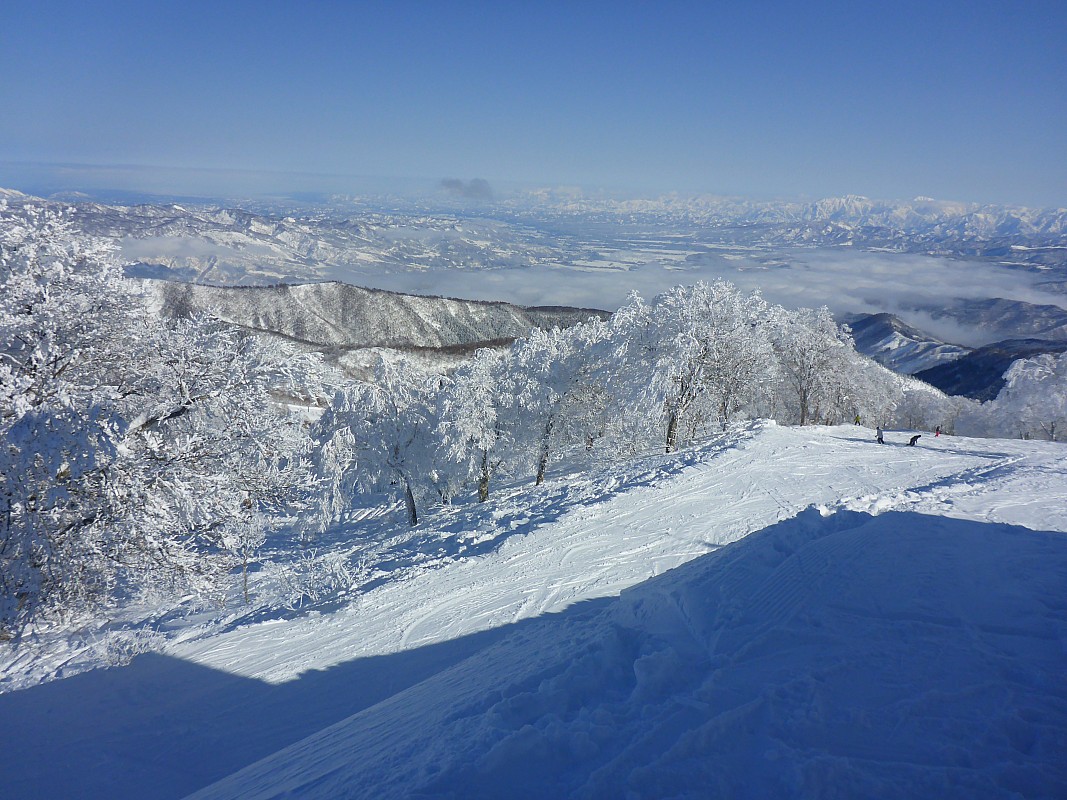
(782, 612)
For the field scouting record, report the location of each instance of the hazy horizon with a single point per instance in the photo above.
(113, 180)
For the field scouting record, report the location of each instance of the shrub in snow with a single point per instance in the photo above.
(118, 648)
(314, 576)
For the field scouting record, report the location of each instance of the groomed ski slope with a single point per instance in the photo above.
(845, 620)
(597, 535)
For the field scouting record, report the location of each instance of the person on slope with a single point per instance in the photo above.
(878, 435)
(914, 439)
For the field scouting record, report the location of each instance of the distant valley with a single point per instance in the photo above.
(922, 283)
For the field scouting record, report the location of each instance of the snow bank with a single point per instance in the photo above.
(842, 655)
(780, 612)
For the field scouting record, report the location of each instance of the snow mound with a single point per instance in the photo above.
(893, 655)
(780, 611)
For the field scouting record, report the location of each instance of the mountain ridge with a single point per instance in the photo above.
(338, 315)
(897, 345)
(979, 374)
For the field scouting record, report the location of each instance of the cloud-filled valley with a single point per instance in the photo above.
(534, 259)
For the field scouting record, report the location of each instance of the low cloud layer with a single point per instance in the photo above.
(915, 287)
(844, 281)
(474, 189)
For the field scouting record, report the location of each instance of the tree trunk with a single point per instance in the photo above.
(542, 462)
(409, 500)
(672, 432)
(483, 481)
(542, 468)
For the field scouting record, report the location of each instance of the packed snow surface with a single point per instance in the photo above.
(786, 612)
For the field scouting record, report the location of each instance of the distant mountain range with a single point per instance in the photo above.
(976, 373)
(902, 348)
(271, 240)
(301, 259)
(338, 317)
(1024, 236)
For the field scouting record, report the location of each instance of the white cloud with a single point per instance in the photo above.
(846, 281)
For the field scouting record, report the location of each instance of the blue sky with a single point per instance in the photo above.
(955, 100)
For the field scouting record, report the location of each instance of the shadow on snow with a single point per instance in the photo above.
(869, 650)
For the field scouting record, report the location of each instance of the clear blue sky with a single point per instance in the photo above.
(956, 100)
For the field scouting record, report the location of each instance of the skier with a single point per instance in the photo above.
(878, 435)
(914, 439)
(937, 431)
(857, 419)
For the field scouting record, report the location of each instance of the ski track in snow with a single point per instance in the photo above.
(853, 619)
(598, 550)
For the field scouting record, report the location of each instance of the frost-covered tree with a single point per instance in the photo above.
(206, 451)
(58, 420)
(550, 390)
(132, 446)
(813, 362)
(381, 435)
(1036, 391)
(1033, 401)
(470, 428)
(696, 353)
(922, 407)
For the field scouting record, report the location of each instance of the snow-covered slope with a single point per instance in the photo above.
(849, 656)
(901, 347)
(339, 315)
(980, 373)
(844, 619)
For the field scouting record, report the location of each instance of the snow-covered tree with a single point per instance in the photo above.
(813, 362)
(922, 407)
(1033, 402)
(206, 449)
(550, 389)
(132, 446)
(381, 435)
(697, 353)
(470, 429)
(58, 421)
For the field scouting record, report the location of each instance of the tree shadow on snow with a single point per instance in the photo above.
(829, 643)
(162, 727)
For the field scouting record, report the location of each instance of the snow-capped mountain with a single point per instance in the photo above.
(239, 247)
(1031, 236)
(901, 347)
(268, 241)
(337, 315)
(980, 373)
